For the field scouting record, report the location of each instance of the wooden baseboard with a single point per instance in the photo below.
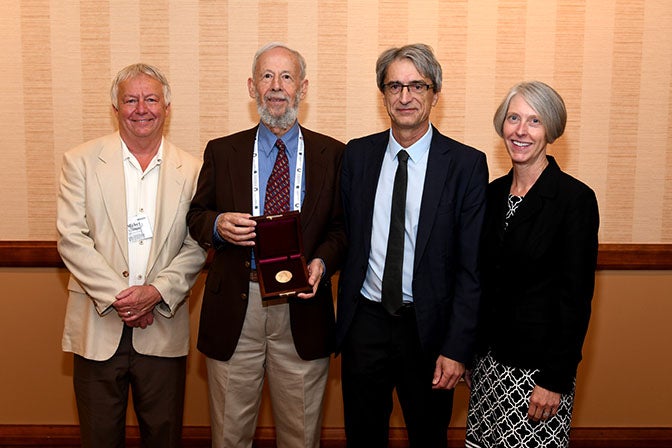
(66, 436)
(621, 438)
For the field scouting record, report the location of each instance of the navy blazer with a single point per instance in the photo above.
(539, 276)
(225, 185)
(446, 285)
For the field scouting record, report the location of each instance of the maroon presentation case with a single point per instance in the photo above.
(278, 251)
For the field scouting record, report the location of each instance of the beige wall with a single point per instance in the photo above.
(623, 381)
(610, 59)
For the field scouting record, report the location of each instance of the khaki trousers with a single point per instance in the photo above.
(266, 348)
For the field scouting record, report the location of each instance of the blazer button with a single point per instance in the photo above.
(125, 274)
(248, 264)
(243, 296)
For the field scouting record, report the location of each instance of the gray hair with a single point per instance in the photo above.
(420, 55)
(545, 101)
(272, 45)
(134, 70)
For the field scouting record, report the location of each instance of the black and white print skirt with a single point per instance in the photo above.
(498, 406)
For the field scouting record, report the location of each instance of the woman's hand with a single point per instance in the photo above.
(543, 404)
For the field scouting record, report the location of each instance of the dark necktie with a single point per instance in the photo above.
(277, 187)
(394, 259)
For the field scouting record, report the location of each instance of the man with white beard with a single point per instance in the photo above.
(286, 340)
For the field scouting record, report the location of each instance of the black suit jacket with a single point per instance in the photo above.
(539, 275)
(446, 286)
(225, 185)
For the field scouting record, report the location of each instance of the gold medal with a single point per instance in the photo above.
(283, 276)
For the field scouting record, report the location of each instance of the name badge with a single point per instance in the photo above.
(139, 228)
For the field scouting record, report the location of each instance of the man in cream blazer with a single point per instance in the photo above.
(121, 213)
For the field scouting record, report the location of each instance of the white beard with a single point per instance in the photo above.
(284, 121)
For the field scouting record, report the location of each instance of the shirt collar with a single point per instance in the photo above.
(267, 139)
(127, 155)
(417, 150)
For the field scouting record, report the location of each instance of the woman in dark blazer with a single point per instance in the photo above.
(538, 259)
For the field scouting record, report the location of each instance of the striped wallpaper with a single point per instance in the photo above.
(611, 60)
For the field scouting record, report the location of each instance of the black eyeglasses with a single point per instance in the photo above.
(416, 88)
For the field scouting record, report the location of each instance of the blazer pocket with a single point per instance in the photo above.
(73, 285)
(535, 315)
(213, 283)
(446, 206)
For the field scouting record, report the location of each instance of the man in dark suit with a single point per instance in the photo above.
(407, 304)
(242, 337)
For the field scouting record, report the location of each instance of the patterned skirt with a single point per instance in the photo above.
(498, 406)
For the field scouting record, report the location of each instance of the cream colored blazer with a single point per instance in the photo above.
(93, 243)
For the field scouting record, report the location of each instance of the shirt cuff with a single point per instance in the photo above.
(217, 241)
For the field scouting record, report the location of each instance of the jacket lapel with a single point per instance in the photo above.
(240, 167)
(315, 176)
(110, 177)
(373, 162)
(171, 184)
(546, 186)
(498, 204)
(438, 167)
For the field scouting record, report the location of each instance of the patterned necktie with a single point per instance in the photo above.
(394, 258)
(277, 187)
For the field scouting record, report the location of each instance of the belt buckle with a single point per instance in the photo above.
(404, 308)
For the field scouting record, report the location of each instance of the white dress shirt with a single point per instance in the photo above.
(417, 167)
(141, 192)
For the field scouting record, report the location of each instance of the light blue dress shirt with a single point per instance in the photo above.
(267, 153)
(417, 167)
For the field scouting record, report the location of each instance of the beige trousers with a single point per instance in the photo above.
(266, 347)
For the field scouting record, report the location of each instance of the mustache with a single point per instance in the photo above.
(284, 121)
(276, 96)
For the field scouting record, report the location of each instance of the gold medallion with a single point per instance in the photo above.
(283, 276)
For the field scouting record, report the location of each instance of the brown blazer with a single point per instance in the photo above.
(225, 185)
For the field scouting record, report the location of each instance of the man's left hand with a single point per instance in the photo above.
(136, 301)
(143, 321)
(447, 373)
(315, 272)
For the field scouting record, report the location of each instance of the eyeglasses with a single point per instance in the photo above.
(415, 88)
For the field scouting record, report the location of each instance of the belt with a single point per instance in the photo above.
(405, 309)
(253, 276)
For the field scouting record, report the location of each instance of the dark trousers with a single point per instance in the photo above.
(101, 390)
(381, 353)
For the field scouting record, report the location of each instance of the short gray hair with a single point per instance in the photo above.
(134, 70)
(421, 55)
(272, 45)
(545, 101)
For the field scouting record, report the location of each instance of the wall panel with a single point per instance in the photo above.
(611, 61)
(623, 381)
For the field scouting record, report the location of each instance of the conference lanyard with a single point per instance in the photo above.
(298, 178)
